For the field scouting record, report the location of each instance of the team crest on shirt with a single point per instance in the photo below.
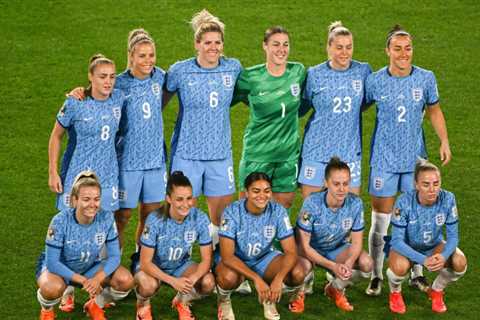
(357, 86)
(117, 112)
(146, 232)
(347, 224)
(305, 218)
(227, 81)
(440, 219)
(295, 89)
(100, 238)
(50, 233)
(377, 183)
(310, 172)
(66, 200)
(190, 236)
(156, 88)
(417, 94)
(122, 195)
(269, 232)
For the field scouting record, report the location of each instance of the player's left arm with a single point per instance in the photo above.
(289, 260)
(435, 114)
(206, 250)
(355, 249)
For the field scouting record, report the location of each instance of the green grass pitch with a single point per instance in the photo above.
(44, 50)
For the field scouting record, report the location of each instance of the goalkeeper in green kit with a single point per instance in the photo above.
(271, 143)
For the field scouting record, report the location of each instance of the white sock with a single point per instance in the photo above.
(223, 294)
(213, 230)
(378, 229)
(445, 276)
(417, 271)
(141, 300)
(109, 295)
(394, 281)
(340, 284)
(69, 291)
(45, 303)
(187, 297)
(357, 275)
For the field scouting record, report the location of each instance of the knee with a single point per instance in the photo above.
(227, 279)
(146, 286)
(399, 265)
(459, 261)
(52, 290)
(297, 275)
(365, 262)
(123, 281)
(207, 283)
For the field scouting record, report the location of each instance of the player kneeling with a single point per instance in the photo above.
(324, 224)
(73, 253)
(417, 237)
(249, 227)
(166, 245)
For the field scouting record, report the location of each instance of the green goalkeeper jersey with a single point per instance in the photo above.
(271, 134)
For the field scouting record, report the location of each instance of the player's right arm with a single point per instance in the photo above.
(54, 145)
(399, 232)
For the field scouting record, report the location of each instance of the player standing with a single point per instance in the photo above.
(403, 93)
(271, 142)
(325, 222)
(335, 89)
(201, 143)
(249, 227)
(419, 219)
(91, 125)
(74, 253)
(165, 255)
(140, 141)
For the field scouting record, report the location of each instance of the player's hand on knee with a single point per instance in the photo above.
(183, 285)
(263, 290)
(435, 262)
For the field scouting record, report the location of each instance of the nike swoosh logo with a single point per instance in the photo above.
(383, 97)
(88, 119)
(262, 93)
(192, 83)
(323, 88)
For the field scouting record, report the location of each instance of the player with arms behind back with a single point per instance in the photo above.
(335, 89)
(77, 240)
(272, 91)
(419, 218)
(201, 143)
(403, 93)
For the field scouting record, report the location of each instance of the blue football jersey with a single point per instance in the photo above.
(334, 129)
(254, 234)
(91, 125)
(422, 225)
(173, 240)
(202, 130)
(140, 142)
(329, 229)
(81, 245)
(398, 135)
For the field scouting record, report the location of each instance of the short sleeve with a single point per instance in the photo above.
(431, 90)
(56, 232)
(149, 234)
(284, 226)
(228, 226)
(203, 222)
(400, 213)
(66, 114)
(112, 230)
(452, 216)
(306, 216)
(172, 78)
(369, 89)
(358, 222)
